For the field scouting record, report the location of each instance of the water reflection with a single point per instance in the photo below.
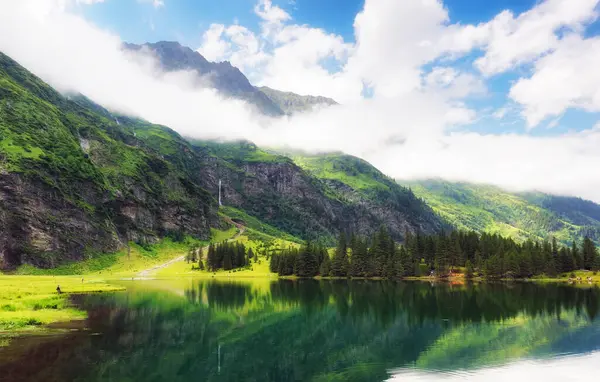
(311, 330)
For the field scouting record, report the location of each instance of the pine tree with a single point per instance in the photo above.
(227, 262)
(325, 267)
(211, 260)
(358, 264)
(469, 273)
(493, 267)
(306, 263)
(589, 253)
(339, 263)
(577, 259)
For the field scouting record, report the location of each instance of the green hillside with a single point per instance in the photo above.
(74, 182)
(485, 208)
(354, 180)
(78, 181)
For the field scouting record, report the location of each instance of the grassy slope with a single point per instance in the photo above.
(239, 152)
(490, 209)
(353, 172)
(256, 226)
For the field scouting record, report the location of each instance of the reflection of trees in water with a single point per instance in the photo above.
(422, 301)
(318, 329)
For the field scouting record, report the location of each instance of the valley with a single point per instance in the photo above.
(92, 193)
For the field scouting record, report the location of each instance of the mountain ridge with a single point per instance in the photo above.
(228, 79)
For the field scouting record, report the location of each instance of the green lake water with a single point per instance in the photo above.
(204, 330)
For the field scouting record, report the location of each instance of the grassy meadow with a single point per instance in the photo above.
(28, 303)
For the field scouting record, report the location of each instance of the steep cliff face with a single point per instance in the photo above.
(288, 194)
(372, 199)
(74, 182)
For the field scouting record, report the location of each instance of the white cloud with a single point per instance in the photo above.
(88, 2)
(404, 129)
(453, 84)
(155, 3)
(512, 40)
(270, 13)
(214, 48)
(566, 78)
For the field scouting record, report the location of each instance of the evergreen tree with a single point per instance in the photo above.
(577, 259)
(589, 253)
(358, 265)
(469, 273)
(339, 263)
(325, 268)
(211, 260)
(227, 261)
(306, 263)
(493, 267)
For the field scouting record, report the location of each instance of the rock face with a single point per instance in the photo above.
(74, 182)
(281, 193)
(222, 76)
(38, 226)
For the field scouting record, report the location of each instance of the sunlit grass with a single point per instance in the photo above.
(29, 302)
(259, 267)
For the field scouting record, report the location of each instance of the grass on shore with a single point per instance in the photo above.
(27, 303)
(127, 263)
(257, 269)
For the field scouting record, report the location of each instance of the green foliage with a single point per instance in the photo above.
(256, 224)
(521, 216)
(239, 152)
(226, 256)
(93, 165)
(339, 263)
(469, 272)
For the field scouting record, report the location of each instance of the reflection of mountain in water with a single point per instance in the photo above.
(309, 330)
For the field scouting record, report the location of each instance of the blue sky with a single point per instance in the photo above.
(186, 20)
(505, 92)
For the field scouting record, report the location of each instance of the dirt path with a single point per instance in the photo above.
(151, 271)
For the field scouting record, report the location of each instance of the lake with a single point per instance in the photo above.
(263, 330)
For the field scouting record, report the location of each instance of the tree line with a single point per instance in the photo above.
(226, 256)
(440, 255)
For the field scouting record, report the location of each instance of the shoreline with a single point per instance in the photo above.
(30, 304)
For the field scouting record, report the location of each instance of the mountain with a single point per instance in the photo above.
(291, 103)
(229, 80)
(77, 179)
(356, 182)
(74, 182)
(222, 76)
(485, 208)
